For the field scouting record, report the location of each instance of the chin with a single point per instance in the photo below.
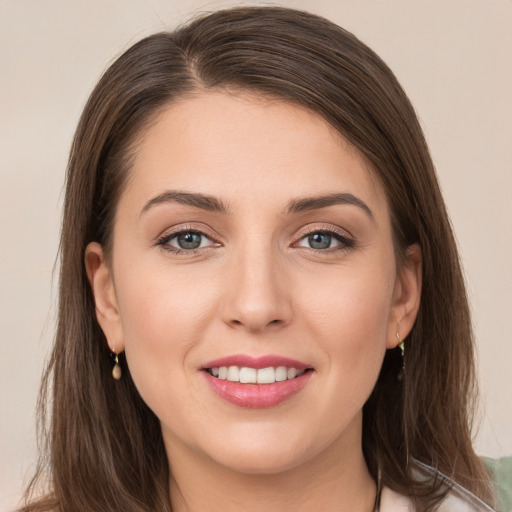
(261, 462)
(263, 451)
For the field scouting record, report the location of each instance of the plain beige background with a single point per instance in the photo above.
(453, 59)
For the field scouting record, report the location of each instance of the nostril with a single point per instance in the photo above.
(257, 326)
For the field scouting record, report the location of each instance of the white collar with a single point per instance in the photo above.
(457, 500)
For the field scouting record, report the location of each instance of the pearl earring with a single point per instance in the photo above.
(116, 371)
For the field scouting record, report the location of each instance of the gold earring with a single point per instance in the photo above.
(400, 344)
(116, 371)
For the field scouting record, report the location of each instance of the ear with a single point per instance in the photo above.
(103, 290)
(406, 296)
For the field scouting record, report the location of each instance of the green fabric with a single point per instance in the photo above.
(501, 472)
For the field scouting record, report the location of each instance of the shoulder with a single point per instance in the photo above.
(461, 500)
(457, 498)
(454, 501)
(391, 501)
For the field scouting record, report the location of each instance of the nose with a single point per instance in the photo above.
(257, 295)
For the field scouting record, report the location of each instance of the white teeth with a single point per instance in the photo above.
(281, 373)
(266, 376)
(234, 374)
(247, 375)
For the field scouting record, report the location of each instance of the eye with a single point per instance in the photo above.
(185, 241)
(321, 240)
(189, 240)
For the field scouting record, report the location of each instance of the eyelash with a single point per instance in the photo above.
(344, 240)
(164, 240)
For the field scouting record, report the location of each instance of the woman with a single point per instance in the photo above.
(261, 303)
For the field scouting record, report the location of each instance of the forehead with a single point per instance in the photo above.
(248, 148)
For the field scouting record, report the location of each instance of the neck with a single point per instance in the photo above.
(336, 480)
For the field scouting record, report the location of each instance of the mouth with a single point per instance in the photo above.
(248, 375)
(256, 382)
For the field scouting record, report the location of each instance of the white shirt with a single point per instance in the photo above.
(457, 500)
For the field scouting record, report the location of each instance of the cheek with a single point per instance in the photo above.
(159, 305)
(164, 314)
(349, 319)
(352, 308)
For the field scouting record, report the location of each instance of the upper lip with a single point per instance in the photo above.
(265, 361)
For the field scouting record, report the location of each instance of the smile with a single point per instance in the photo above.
(247, 375)
(256, 383)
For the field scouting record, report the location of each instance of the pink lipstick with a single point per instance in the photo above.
(256, 362)
(256, 382)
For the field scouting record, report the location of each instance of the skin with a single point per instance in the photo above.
(255, 286)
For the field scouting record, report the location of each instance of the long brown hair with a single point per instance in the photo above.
(104, 449)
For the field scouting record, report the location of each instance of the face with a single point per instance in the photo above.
(252, 282)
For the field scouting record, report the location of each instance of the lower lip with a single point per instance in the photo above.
(257, 396)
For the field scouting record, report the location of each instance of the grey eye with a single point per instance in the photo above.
(320, 240)
(186, 241)
(189, 240)
(323, 239)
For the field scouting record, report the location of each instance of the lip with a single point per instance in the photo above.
(256, 362)
(256, 396)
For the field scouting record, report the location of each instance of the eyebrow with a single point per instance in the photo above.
(197, 200)
(213, 204)
(317, 202)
